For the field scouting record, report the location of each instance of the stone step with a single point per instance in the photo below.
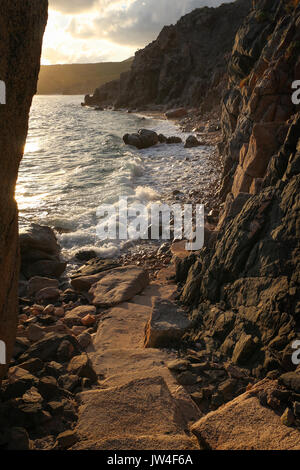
(141, 414)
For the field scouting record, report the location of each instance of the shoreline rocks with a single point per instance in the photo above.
(146, 138)
(40, 252)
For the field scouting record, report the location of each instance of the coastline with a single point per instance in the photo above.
(147, 254)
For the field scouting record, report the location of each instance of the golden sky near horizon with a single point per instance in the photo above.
(81, 31)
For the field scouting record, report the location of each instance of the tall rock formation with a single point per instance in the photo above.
(185, 65)
(22, 24)
(245, 283)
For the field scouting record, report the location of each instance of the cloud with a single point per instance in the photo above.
(72, 6)
(91, 30)
(135, 22)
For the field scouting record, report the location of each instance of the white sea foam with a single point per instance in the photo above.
(76, 160)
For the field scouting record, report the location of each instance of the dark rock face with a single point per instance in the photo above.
(245, 286)
(258, 103)
(40, 252)
(186, 64)
(21, 30)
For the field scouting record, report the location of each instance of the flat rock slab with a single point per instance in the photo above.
(137, 415)
(122, 327)
(95, 266)
(119, 285)
(244, 424)
(167, 324)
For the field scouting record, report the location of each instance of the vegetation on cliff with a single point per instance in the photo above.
(78, 79)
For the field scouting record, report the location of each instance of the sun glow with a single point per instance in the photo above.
(63, 45)
(31, 146)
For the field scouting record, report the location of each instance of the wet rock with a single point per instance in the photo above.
(187, 378)
(95, 266)
(40, 252)
(82, 310)
(69, 382)
(84, 339)
(217, 399)
(82, 366)
(84, 283)
(167, 324)
(227, 388)
(236, 372)
(32, 396)
(46, 320)
(143, 139)
(38, 237)
(38, 283)
(174, 140)
(291, 380)
(244, 349)
(191, 142)
(54, 369)
(57, 312)
(69, 295)
(77, 330)
(49, 309)
(48, 387)
(21, 345)
(53, 347)
(19, 381)
(86, 255)
(53, 268)
(198, 398)
(72, 319)
(162, 138)
(35, 332)
(55, 407)
(47, 295)
(32, 365)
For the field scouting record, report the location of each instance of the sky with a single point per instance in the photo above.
(82, 31)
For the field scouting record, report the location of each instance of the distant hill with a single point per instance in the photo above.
(185, 66)
(78, 79)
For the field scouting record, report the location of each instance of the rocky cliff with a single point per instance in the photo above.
(186, 64)
(244, 285)
(22, 24)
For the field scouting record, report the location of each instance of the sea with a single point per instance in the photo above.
(75, 161)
